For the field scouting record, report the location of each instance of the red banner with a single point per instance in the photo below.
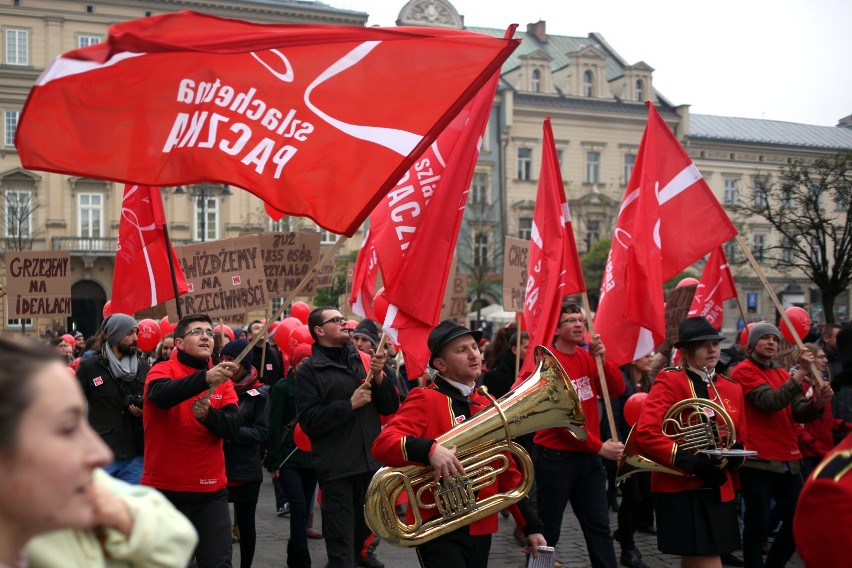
(318, 121)
(364, 279)
(669, 218)
(142, 277)
(716, 286)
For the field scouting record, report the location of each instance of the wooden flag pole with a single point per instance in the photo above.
(778, 306)
(599, 363)
(518, 317)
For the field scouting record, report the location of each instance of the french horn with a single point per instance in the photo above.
(484, 447)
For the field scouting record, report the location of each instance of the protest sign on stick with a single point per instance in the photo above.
(38, 284)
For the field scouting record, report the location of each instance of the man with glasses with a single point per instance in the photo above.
(567, 469)
(190, 408)
(340, 394)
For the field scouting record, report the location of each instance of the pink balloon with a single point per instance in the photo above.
(149, 335)
(300, 311)
(380, 306)
(107, 311)
(801, 323)
(229, 333)
(688, 281)
(633, 408)
(166, 327)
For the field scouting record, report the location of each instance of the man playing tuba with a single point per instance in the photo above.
(409, 439)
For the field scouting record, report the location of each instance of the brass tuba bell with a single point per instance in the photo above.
(697, 425)
(545, 400)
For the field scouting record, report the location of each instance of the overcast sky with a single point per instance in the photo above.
(774, 59)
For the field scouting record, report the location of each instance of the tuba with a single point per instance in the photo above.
(697, 425)
(545, 400)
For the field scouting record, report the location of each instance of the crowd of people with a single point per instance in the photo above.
(134, 457)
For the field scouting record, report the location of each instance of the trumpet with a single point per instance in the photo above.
(484, 444)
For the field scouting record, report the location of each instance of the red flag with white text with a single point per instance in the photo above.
(318, 121)
(553, 271)
(142, 277)
(416, 226)
(716, 286)
(669, 218)
(364, 279)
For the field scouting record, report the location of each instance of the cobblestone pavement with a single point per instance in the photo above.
(273, 531)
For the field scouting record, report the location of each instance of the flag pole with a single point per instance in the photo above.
(599, 363)
(169, 253)
(777, 303)
(517, 344)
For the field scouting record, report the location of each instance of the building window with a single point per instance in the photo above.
(640, 90)
(629, 162)
(525, 228)
(16, 323)
(10, 126)
(787, 200)
(816, 250)
(90, 215)
(17, 47)
(206, 218)
(787, 250)
(593, 167)
(18, 214)
(593, 233)
(588, 77)
(480, 249)
(841, 202)
(732, 191)
(479, 189)
(535, 84)
(759, 246)
(282, 225)
(87, 40)
(759, 197)
(524, 164)
(327, 237)
(731, 251)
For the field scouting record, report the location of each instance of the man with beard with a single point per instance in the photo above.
(112, 380)
(190, 408)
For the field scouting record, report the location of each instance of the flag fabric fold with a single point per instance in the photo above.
(669, 219)
(142, 277)
(364, 279)
(553, 271)
(716, 286)
(317, 121)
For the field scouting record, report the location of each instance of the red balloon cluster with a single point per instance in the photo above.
(166, 327)
(801, 324)
(633, 408)
(107, 311)
(300, 311)
(149, 335)
(282, 333)
(300, 335)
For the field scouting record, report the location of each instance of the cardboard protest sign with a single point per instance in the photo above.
(515, 260)
(324, 278)
(287, 259)
(677, 310)
(225, 278)
(38, 284)
(454, 305)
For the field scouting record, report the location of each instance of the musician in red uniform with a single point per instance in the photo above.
(696, 513)
(409, 439)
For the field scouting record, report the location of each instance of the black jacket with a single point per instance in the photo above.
(108, 402)
(500, 379)
(341, 438)
(270, 369)
(242, 456)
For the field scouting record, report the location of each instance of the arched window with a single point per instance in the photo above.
(588, 76)
(640, 90)
(535, 84)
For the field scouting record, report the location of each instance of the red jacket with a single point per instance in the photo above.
(671, 386)
(425, 414)
(820, 438)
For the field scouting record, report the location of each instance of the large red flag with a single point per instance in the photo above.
(416, 226)
(318, 121)
(554, 269)
(364, 279)
(716, 286)
(142, 277)
(669, 218)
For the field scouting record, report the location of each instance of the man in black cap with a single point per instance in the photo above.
(410, 439)
(113, 380)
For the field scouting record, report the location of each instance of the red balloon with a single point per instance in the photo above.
(300, 335)
(282, 333)
(801, 323)
(272, 327)
(744, 335)
(107, 311)
(69, 339)
(166, 327)
(301, 439)
(229, 333)
(300, 311)
(688, 281)
(149, 335)
(380, 306)
(633, 408)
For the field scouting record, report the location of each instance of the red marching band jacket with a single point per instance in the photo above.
(406, 440)
(670, 387)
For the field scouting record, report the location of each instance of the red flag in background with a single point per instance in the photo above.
(716, 286)
(416, 226)
(669, 218)
(142, 277)
(364, 279)
(554, 266)
(317, 121)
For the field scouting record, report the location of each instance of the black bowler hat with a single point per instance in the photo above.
(445, 332)
(696, 329)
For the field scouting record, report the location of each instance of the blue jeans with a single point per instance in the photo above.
(579, 478)
(127, 469)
